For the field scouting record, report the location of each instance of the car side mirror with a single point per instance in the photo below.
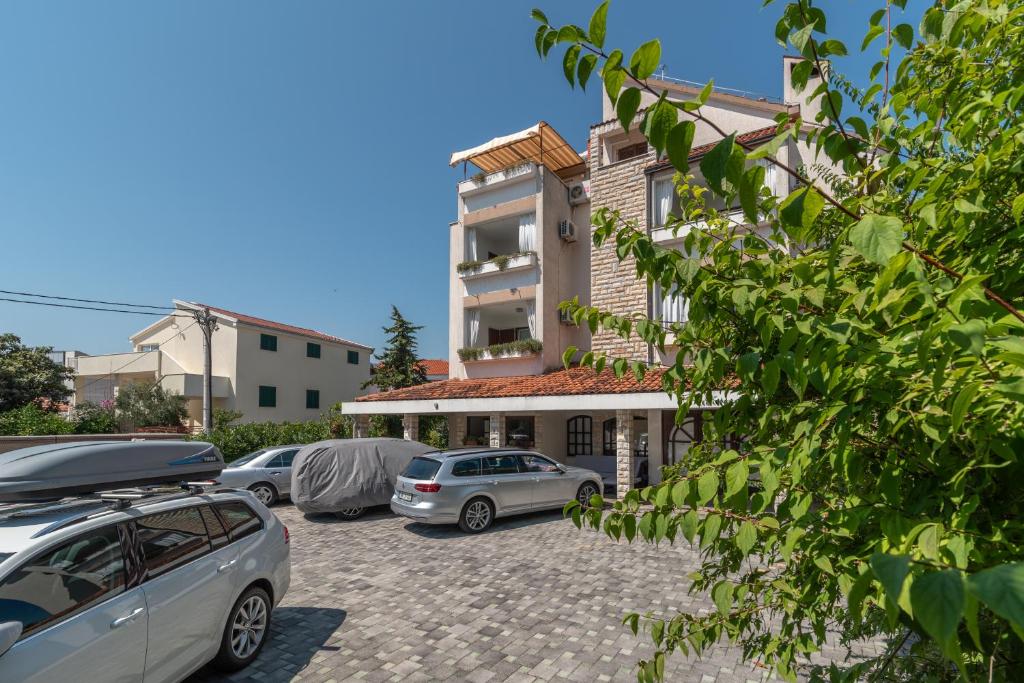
(562, 469)
(10, 631)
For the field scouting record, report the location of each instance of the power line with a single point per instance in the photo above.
(139, 357)
(86, 301)
(93, 308)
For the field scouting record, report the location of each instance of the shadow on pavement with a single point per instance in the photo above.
(371, 514)
(297, 634)
(501, 524)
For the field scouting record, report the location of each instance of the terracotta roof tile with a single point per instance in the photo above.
(571, 382)
(281, 327)
(434, 366)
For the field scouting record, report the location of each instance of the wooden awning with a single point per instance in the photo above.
(540, 144)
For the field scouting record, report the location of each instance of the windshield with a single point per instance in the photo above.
(421, 468)
(4, 556)
(247, 458)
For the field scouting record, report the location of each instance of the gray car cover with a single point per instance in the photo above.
(328, 476)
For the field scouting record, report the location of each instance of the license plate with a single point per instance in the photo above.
(405, 496)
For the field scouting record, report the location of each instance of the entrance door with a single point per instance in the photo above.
(680, 438)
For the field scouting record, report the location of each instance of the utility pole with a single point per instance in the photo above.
(207, 323)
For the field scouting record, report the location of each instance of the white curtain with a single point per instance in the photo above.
(769, 174)
(531, 318)
(663, 194)
(674, 307)
(471, 244)
(472, 327)
(528, 232)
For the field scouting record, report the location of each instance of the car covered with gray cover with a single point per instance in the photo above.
(346, 476)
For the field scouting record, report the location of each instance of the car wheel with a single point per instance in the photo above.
(265, 493)
(477, 516)
(350, 513)
(246, 631)
(586, 491)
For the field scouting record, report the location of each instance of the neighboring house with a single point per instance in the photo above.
(68, 359)
(521, 243)
(263, 369)
(436, 369)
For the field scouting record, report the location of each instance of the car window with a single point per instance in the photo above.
(214, 527)
(239, 519)
(535, 463)
(247, 458)
(287, 457)
(171, 539)
(63, 581)
(500, 464)
(421, 468)
(466, 468)
(276, 461)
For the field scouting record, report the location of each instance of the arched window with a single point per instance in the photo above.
(608, 437)
(680, 439)
(579, 435)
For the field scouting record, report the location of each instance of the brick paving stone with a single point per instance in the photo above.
(533, 599)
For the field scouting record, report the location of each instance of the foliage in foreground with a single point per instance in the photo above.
(874, 334)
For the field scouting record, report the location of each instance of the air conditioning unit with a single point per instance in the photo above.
(567, 230)
(579, 192)
(565, 317)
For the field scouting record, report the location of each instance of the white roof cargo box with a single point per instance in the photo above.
(57, 470)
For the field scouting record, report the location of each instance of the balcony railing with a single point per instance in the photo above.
(514, 349)
(505, 263)
(677, 233)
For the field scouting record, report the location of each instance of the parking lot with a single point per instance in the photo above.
(533, 599)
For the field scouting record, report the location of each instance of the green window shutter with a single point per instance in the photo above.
(313, 399)
(268, 342)
(268, 397)
(312, 350)
(353, 357)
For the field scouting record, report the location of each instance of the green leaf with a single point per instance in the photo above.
(680, 140)
(746, 537)
(1017, 209)
(938, 602)
(877, 238)
(714, 164)
(801, 208)
(539, 16)
(583, 71)
(1001, 588)
(736, 477)
(539, 39)
(659, 122)
(626, 107)
(904, 35)
(709, 533)
(646, 59)
(770, 378)
(569, 64)
(961, 403)
(721, 595)
(598, 19)
(707, 487)
(800, 38)
(892, 571)
(689, 525)
(750, 187)
(969, 335)
(567, 356)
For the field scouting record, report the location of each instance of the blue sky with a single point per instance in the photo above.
(289, 159)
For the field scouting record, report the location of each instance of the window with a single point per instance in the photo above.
(146, 348)
(62, 582)
(312, 350)
(666, 202)
(283, 459)
(214, 527)
(640, 436)
(579, 435)
(268, 342)
(239, 519)
(673, 307)
(421, 468)
(637, 149)
(466, 468)
(268, 397)
(501, 464)
(536, 463)
(173, 538)
(353, 358)
(608, 441)
(312, 399)
(478, 430)
(519, 431)
(506, 335)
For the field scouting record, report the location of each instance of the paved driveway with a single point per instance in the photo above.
(533, 599)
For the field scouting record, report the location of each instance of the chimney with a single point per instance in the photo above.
(791, 96)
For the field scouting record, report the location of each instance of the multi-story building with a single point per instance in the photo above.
(260, 368)
(521, 243)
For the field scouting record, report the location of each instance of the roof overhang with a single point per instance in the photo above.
(540, 144)
(655, 400)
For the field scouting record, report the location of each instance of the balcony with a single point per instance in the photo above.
(501, 332)
(663, 235)
(523, 348)
(500, 255)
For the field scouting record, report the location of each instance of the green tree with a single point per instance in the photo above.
(399, 365)
(147, 404)
(872, 339)
(93, 418)
(28, 374)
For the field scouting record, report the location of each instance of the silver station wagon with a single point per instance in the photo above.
(473, 487)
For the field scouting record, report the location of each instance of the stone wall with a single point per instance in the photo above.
(614, 286)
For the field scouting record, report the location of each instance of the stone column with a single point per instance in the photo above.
(497, 430)
(539, 442)
(625, 459)
(655, 446)
(411, 427)
(361, 427)
(456, 430)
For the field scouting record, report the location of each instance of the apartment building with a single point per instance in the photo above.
(521, 243)
(264, 369)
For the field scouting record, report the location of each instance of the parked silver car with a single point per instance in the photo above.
(473, 487)
(267, 473)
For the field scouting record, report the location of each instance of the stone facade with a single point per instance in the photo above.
(411, 427)
(614, 287)
(497, 430)
(625, 458)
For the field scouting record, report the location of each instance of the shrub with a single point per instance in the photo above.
(32, 420)
(236, 440)
(94, 418)
(520, 346)
(147, 404)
